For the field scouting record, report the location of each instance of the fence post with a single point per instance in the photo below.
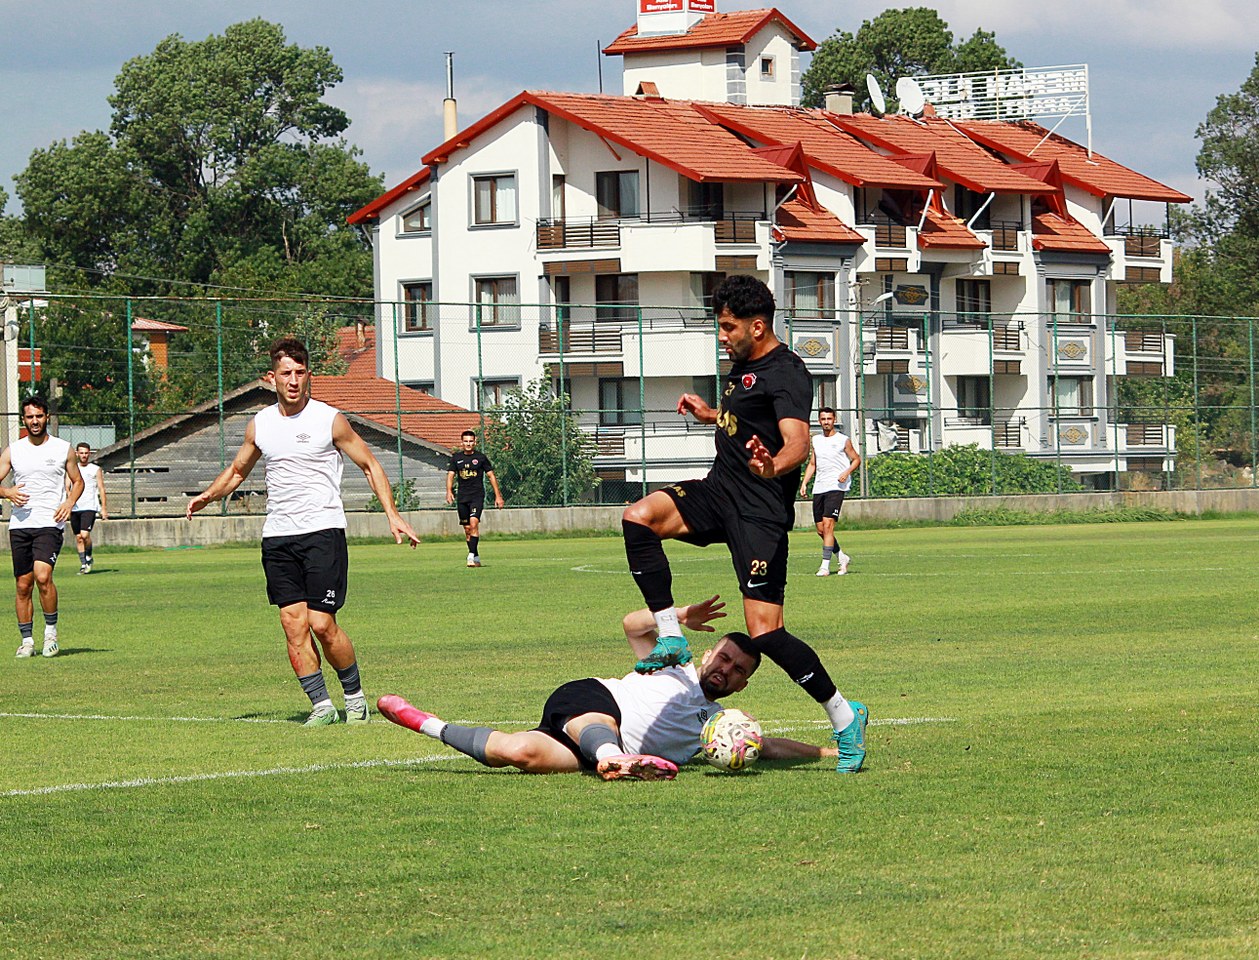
(1197, 425)
(1114, 392)
(480, 372)
(1053, 398)
(131, 409)
(642, 406)
(397, 392)
(218, 343)
(1251, 326)
(992, 402)
(564, 421)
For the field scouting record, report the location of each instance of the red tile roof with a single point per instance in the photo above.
(669, 132)
(960, 159)
(1097, 175)
(715, 30)
(829, 148)
(1052, 231)
(423, 416)
(942, 231)
(361, 359)
(372, 210)
(799, 222)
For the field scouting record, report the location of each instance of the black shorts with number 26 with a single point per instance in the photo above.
(307, 567)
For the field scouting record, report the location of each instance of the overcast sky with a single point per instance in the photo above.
(1156, 66)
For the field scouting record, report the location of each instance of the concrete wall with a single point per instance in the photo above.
(206, 530)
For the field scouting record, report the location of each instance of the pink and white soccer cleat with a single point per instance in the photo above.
(395, 709)
(635, 766)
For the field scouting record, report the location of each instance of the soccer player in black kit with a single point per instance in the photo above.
(747, 501)
(469, 465)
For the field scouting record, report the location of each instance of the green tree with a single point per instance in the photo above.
(909, 42)
(540, 454)
(223, 165)
(965, 471)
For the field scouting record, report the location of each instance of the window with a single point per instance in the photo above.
(706, 389)
(810, 294)
(498, 303)
(416, 307)
(618, 403)
(767, 68)
(562, 297)
(705, 201)
(1073, 396)
(616, 296)
(494, 198)
(703, 286)
(974, 301)
(563, 387)
(967, 203)
(617, 193)
(974, 399)
(1070, 300)
(423, 386)
(823, 392)
(418, 219)
(558, 203)
(494, 392)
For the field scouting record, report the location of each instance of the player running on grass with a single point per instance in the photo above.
(747, 501)
(304, 555)
(833, 458)
(638, 727)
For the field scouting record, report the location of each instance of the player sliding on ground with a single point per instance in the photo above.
(638, 727)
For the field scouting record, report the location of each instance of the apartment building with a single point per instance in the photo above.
(945, 282)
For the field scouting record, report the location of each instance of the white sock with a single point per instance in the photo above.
(667, 622)
(605, 750)
(322, 703)
(839, 711)
(432, 727)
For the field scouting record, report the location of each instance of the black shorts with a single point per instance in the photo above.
(572, 700)
(469, 509)
(309, 567)
(82, 521)
(758, 548)
(827, 505)
(30, 544)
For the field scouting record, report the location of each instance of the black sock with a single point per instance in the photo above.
(472, 544)
(350, 683)
(648, 565)
(50, 619)
(26, 630)
(316, 689)
(469, 740)
(594, 737)
(799, 661)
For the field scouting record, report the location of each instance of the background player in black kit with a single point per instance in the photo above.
(747, 501)
(470, 465)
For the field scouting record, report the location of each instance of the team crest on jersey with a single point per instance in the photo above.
(749, 381)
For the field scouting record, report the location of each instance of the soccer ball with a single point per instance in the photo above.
(731, 740)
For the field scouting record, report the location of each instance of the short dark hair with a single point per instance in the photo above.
(289, 347)
(468, 433)
(36, 401)
(746, 644)
(84, 444)
(822, 410)
(745, 297)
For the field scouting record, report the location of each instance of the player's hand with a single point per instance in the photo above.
(762, 462)
(450, 498)
(199, 502)
(699, 615)
(498, 502)
(62, 513)
(18, 495)
(400, 528)
(695, 405)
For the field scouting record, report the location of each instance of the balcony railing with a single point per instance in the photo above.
(594, 232)
(1008, 435)
(585, 233)
(1146, 434)
(887, 232)
(593, 338)
(1143, 341)
(1005, 234)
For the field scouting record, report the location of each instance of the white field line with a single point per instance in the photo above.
(1115, 571)
(225, 775)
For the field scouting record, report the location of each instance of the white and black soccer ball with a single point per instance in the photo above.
(731, 740)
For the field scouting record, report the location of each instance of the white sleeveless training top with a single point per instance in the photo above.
(662, 713)
(41, 472)
(303, 470)
(829, 452)
(91, 496)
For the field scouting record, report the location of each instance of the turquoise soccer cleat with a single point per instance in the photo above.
(851, 741)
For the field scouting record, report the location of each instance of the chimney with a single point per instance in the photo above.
(839, 98)
(664, 17)
(450, 122)
(360, 334)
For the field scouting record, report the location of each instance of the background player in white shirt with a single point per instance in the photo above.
(304, 554)
(639, 727)
(41, 496)
(833, 458)
(83, 513)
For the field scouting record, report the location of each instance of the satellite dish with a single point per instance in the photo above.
(911, 96)
(876, 94)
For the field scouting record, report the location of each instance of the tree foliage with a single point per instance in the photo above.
(908, 42)
(965, 471)
(540, 454)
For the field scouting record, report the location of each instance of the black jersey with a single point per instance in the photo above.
(470, 470)
(756, 395)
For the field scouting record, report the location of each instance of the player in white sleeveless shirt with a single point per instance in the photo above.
(640, 726)
(83, 513)
(833, 458)
(304, 554)
(46, 483)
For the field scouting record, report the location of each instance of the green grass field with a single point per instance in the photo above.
(1080, 780)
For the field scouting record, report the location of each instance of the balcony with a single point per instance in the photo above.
(1140, 353)
(592, 233)
(580, 234)
(574, 337)
(1005, 234)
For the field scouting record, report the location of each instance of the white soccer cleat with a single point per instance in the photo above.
(824, 570)
(51, 649)
(27, 649)
(844, 560)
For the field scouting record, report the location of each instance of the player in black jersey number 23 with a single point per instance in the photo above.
(747, 501)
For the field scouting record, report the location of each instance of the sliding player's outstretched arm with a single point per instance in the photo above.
(640, 626)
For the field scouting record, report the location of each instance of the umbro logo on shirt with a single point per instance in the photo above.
(303, 438)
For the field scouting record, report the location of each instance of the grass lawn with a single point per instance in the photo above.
(1078, 779)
